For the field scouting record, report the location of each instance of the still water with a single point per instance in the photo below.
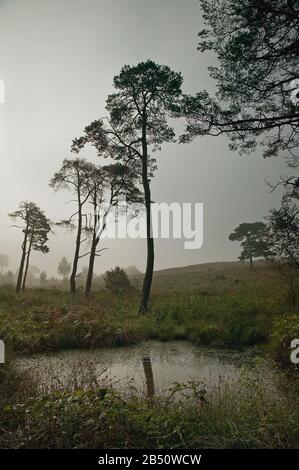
(147, 369)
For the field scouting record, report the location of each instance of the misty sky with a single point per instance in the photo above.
(58, 59)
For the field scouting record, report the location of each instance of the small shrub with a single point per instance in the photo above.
(117, 281)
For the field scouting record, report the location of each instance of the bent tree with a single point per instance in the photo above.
(36, 228)
(146, 96)
(74, 176)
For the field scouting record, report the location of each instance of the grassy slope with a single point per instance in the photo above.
(220, 303)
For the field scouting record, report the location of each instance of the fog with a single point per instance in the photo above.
(58, 60)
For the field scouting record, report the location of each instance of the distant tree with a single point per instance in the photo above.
(74, 176)
(252, 238)
(83, 276)
(132, 271)
(146, 95)
(135, 276)
(117, 281)
(43, 279)
(36, 228)
(283, 233)
(64, 268)
(257, 76)
(33, 271)
(9, 278)
(3, 262)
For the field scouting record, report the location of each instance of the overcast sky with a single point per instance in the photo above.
(58, 59)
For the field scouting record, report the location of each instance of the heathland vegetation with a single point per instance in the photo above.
(219, 305)
(252, 304)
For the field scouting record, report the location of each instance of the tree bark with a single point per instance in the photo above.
(73, 286)
(97, 233)
(147, 283)
(22, 263)
(27, 263)
(91, 267)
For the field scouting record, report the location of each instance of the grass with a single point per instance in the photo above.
(250, 415)
(221, 305)
(236, 310)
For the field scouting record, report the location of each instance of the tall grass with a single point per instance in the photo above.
(51, 320)
(224, 308)
(249, 415)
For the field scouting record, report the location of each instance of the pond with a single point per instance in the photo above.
(147, 369)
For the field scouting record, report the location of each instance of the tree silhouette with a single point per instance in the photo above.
(256, 43)
(74, 176)
(3, 262)
(36, 228)
(107, 185)
(252, 238)
(146, 95)
(64, 267)
(43, 279)
(283, 233)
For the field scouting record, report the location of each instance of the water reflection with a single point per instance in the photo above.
(149, 377)
(147, 369)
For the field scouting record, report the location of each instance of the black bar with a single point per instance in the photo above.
(134, 458)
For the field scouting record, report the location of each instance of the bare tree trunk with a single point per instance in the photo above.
(91, 267)
(251, 262)
(22, 263)
(26, 272)
(73, 286)
(147, 282)
(94, 243)
(97, 233)
(27, 263)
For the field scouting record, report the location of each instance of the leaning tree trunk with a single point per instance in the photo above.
(26, 272)
(97, 233)
(91, 267)
(147, 282)
(27, 263)
(22, 263)
(73, 286)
